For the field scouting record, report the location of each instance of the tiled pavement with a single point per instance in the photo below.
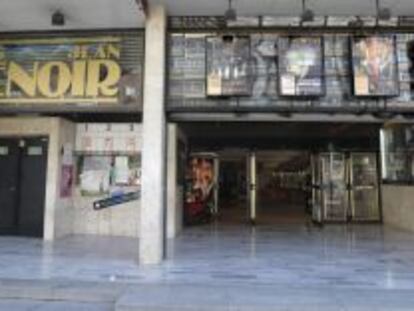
(325, 264)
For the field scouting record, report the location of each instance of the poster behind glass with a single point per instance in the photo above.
(374, 66)
(199, 193)
(301, 66)
(228, 66)
(102, 175)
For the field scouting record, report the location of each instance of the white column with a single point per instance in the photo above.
(152, 228)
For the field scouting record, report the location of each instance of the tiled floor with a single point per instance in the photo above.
(359, 256)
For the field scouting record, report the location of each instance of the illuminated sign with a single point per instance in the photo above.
(70, 70)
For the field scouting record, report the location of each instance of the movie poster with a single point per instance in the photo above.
(228, 66)
(200, 183)
(66, 181)
(101, 175)
(301, 66)
(374, 66)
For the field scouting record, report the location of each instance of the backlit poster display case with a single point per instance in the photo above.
(228, 66)
(200, 188)
(374, 65)
(301, 66)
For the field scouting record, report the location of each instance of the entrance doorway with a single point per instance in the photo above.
(23, 164)
(282, 192)
(233, 187)
(289, 173)
(345, 187)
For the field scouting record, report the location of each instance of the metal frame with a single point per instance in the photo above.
(353, 187)
(352, 43)
(322, 66)
(207, 57)
(253, 186)
(378, 105)
(324, 207)
(318, 189)
(218, 23)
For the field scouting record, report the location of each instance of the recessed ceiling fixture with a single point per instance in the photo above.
(58, 19)
(307, 14)
(356, 23)
(230, 14)
(383, 13)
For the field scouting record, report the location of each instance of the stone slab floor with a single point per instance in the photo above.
(351, 259)
(33, 305)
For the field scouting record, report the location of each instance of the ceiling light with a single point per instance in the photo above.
(58, 19)
(383, 14)
(356, 23)
(230, 15)
(307, 14)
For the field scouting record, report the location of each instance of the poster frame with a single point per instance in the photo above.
(250, 87)
(352, 42)
(322, 59)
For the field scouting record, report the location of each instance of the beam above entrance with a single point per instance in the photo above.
(282, 117)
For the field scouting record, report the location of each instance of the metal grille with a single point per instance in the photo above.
(187, 78)
(27, 48)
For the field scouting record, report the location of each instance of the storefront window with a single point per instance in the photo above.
(397, 149)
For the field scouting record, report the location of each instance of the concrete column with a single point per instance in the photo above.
(175, 190)
(152, 228)
(172, 181)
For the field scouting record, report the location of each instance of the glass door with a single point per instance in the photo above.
(364, 187)
(316, 189)
(334, 194)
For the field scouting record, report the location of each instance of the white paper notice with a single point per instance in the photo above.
(288, 85)
(121, 170)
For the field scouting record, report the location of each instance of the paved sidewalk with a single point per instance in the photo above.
(157, 297)
(337, 268)
(33, 305)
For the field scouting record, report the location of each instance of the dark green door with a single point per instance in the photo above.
(9, 185)
(32, 186)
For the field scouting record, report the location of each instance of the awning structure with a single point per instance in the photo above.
(29, 15)
(284, 7)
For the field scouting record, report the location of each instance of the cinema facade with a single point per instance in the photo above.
(197, 120)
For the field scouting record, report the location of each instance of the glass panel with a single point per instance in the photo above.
(35, 151)
(335, 196)
(316, 190)
(397, 146)
(102, 175)
(374, 66)
(4, 150)
(365, 201)
(301, 66)
(228, 66)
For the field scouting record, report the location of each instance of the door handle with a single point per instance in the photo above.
(367, 187)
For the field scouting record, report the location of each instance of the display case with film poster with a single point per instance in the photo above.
(228, 66)
(301, 66)
(374, 66)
